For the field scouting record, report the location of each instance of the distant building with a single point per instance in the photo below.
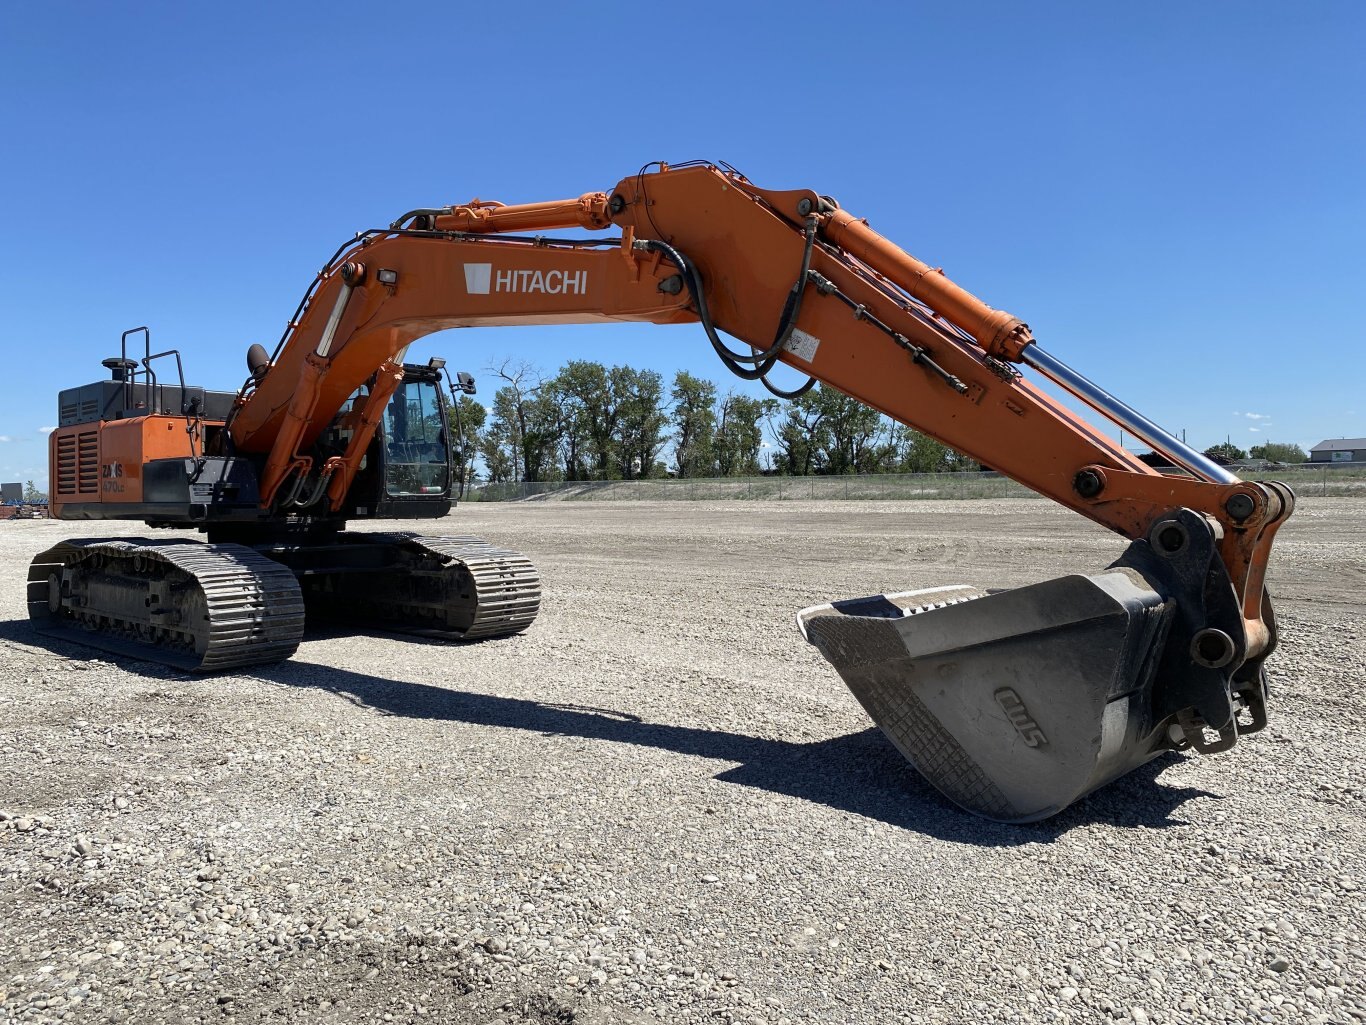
(1339, 450)
(11, 493)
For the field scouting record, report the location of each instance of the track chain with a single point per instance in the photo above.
(500, 590)
(202, 607)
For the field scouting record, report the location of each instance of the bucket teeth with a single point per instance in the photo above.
(1012, 703)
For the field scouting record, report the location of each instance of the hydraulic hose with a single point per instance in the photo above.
(764, 361)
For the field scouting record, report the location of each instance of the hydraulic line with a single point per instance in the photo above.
(791, 309)
(919, 355)
(732, 363)
(795, 393)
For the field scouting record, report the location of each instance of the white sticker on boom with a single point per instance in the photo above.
(477, 276)
(802, 345)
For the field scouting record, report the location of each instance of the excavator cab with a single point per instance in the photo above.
(406, 473)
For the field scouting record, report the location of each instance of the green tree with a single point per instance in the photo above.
(798, 436)
(32, 494)
(584, 391)
(852, 437)
(579, 392)
(1276, 452)
(919, 453)
(694, 420)
(467, 419)
(1227, 451)
(541, 440)
(498, 452)
(525, 426)
(738, 436)
(501, 444)
(640, 421)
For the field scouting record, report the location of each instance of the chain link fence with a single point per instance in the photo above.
(1307, 479)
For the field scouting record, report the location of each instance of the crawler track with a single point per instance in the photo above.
(454, 588)
(201, 607)
(216, 607)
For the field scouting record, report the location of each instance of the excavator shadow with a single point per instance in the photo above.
(860, 773)
(22, 631)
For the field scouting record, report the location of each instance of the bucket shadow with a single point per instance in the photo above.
(860, 773)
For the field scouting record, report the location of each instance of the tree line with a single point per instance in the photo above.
(594, 422)
(1272, 452)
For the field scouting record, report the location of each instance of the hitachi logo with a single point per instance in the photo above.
(1019, 717)
(480, 276)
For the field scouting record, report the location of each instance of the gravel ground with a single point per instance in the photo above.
(660, 805)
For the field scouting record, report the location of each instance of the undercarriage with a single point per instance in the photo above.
(213, 607)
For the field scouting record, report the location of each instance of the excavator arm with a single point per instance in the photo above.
(799, 281)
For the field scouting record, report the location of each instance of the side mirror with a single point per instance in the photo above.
(465, 382)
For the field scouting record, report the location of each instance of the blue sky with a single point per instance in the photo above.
(1170, 194)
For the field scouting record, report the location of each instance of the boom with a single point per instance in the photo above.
(788, 273)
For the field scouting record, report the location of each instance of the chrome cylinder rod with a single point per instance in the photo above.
(1130, 419)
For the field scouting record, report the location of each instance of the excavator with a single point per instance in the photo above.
(1013, 703)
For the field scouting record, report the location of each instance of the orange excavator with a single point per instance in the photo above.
(1014, 703)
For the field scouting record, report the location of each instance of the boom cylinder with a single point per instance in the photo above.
(588, 211)
(996, 331)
